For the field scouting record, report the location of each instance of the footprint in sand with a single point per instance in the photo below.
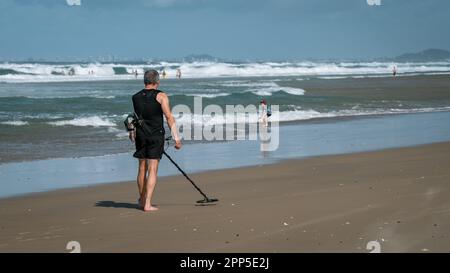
(126, 214)
(56, 229)
(46, 236)
(22, 235)
(28, 240)
(86, 221)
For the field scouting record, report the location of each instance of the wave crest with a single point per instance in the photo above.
(44, 72)
(93, 121)
(15, 123)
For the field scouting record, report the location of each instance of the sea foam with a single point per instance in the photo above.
(93, 121)
(44, 72)
(15, 123)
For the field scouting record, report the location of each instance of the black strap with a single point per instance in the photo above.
(140, 119)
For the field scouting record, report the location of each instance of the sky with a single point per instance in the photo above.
(231, 29)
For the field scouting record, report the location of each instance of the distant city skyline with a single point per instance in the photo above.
(234, 29)
(193, 57)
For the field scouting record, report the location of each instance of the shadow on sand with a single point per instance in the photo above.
(113, 204)
(123, 205)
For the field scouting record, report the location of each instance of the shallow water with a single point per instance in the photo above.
(296, 141)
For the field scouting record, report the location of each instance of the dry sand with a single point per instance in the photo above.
(399, 197)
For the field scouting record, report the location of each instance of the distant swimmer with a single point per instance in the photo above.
(394, 71)
(71, 71)
(164, 73)
(136, 73)
(179, 73)
(264, 113)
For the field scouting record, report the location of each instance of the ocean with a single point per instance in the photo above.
(47, 113)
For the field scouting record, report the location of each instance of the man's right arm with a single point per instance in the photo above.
(163, 99)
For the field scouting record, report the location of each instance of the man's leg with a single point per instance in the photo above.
(150, 184)
(142, 178)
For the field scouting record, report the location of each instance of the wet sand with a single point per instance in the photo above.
(402, 88)
(398, 197)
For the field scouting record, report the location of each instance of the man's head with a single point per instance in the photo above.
(151, 77)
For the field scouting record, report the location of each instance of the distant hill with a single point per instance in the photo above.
(429, 55)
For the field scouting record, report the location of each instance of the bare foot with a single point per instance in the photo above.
(151, 208)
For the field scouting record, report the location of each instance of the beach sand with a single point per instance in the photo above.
(398, 197)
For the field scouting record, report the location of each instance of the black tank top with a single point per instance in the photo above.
(149, 109)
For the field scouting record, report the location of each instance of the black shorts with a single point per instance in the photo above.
(149, 147)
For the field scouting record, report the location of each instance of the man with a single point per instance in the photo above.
(150, 104)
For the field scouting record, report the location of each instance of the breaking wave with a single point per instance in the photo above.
(93, 121)
(55, 72)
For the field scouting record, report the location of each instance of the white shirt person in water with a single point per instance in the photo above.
(263, 117)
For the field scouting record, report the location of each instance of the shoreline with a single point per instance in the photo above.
(296, 141)
(333, 203)
(205, 172)
(318, 120)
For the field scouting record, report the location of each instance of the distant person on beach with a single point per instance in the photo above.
(179, 73)
(263, 118)
(136, 73)
(150, 104)
(164, 73)
(394, 71)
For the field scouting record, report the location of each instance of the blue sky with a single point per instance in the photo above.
(236, 29)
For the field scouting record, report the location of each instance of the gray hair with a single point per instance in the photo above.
(151, 77)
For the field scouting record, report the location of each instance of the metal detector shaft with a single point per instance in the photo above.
(185, 175)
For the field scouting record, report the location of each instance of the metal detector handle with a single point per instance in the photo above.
(185, 175)
(207, 199)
